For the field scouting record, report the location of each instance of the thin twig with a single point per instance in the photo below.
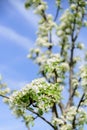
(44, 15)
(57, 13)
(4, 96)
(61, 105)
(73, 93)
(79, 104)
(41, 117)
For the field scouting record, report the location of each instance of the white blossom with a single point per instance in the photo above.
(80, 46)
(73, 6)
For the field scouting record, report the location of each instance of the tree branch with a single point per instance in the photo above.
(44, 15)
(55, 113)
(57, 13)
(73, 39)
(4, 96)
(41, 117)
(73, 93)
(61, 105)
(79, 104)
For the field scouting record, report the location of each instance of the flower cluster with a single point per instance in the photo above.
(54, 67)
(81, 117)
(70, 23)
(3, 87)
(58, 3)
(57, 121)
(83, 74)
(66, 127)
(71, 112)
(38, 93)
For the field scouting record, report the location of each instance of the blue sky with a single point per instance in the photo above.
(17, 35)
(18, 28)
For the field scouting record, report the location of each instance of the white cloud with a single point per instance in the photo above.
(20, 40)
(27, 14)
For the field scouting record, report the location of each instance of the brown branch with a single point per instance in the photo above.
(61, 105)
(79, 104)
(73, 93)
(57, 13)
(55, 113)
(71, 65)
(40, 117)
(4, 96)
(73, 39)
(50, 40)
(44, 15)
